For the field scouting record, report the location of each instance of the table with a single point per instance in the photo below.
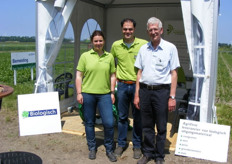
(18, 157)
(5, 90)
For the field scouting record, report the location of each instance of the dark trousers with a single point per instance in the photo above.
(154, 112)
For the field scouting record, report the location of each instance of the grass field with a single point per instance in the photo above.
(224, 87)
(25, 85)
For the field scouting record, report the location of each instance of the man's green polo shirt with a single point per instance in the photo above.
(126, 58)
(96, 71)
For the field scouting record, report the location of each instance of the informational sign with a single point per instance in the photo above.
(21, 60)
(203, 140)
(39, 113)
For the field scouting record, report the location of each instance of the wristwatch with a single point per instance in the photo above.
(112, 92)
(172, 97)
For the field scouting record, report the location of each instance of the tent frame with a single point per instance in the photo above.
(108, 13)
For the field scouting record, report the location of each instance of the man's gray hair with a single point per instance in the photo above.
(154, 20)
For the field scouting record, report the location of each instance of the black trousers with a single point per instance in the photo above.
(154, 112)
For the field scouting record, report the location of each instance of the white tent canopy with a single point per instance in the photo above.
(190, 24)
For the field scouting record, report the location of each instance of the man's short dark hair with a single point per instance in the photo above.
(128, 20)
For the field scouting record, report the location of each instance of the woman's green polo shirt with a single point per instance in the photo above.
(96, 71)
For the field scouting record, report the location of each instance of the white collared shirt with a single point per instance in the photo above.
(157, 64)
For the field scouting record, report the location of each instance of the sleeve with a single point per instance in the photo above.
(138, 60)
(81, 63)
(175, 63)
(112, 65)
(112, 50)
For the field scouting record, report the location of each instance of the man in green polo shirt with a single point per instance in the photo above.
(125, 51)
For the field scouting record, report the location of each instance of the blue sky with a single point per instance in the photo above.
(17, 18)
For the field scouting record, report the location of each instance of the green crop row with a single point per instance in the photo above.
(17, 46)
(224, 80)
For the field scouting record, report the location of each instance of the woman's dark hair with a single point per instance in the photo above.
(128, 20)
(97, 33)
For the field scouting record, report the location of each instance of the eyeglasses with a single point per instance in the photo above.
(153, 29)
(130, 29)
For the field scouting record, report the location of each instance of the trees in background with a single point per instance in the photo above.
(17, 38)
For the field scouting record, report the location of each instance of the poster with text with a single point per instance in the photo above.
(39, 113)
(203, 140)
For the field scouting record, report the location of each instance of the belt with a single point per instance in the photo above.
(154, 87)
(127, 81)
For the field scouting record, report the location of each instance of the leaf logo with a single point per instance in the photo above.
(170, 29)
(25, 114)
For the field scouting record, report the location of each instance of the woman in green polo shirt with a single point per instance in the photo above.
(95, 83)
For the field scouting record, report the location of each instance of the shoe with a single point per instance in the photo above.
(137, 153)
(118, 151)
(159, 161)
(144, 160)
(111, 157)
(92, 154)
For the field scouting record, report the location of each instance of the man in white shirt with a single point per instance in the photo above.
(156, 83)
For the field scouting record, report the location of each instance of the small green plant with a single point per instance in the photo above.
(8, 119)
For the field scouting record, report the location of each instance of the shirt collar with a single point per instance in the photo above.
(94, 52)
(134, 43)
(160, 46)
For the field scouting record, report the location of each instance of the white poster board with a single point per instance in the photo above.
(203, 140)
(39, 113)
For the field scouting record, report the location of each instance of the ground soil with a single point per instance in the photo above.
(66, 148)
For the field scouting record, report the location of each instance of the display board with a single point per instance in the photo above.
(203, 140)
(39, 113)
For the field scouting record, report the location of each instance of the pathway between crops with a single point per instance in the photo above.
(227, 65)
